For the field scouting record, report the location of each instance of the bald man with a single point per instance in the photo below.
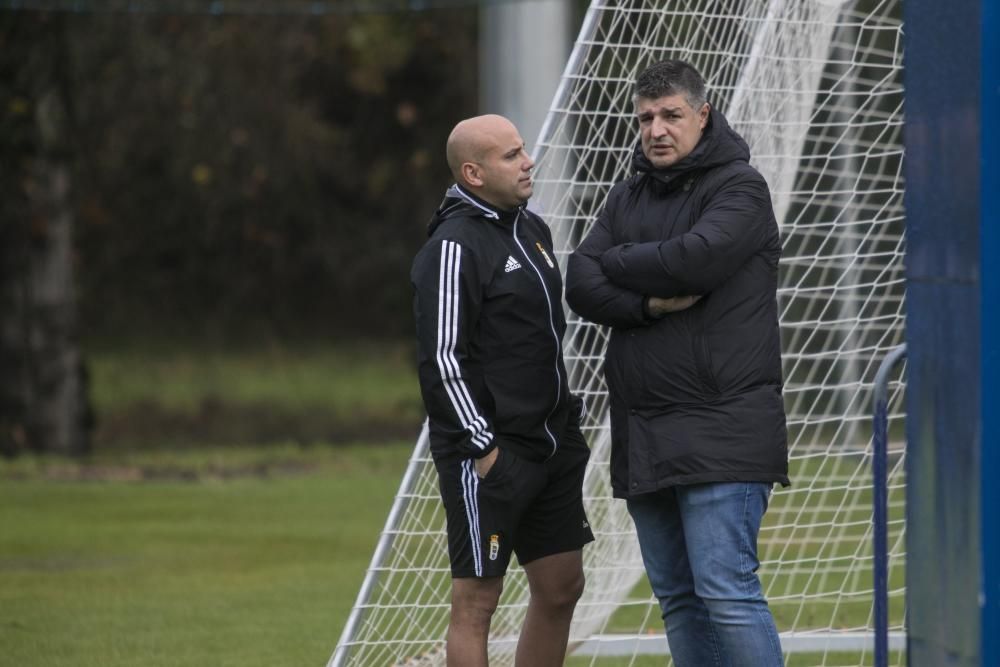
(504, 429)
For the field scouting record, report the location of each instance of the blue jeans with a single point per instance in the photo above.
(699, 546)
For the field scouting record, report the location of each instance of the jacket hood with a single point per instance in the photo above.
(719, 144)
(458, 203)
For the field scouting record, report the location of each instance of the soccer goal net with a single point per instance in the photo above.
(815, 86)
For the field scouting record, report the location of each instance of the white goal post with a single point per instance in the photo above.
(815, 86)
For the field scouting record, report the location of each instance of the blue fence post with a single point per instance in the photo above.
(880, 516)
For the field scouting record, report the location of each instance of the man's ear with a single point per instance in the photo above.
(703, 115)
(472, 174)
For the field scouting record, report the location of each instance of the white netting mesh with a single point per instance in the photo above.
(815, 86)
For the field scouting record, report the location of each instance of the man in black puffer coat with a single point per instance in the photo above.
(682, 265)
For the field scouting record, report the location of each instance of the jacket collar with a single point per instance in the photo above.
(488, 210)
(458, 202)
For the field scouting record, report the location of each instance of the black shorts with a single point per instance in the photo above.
(530, 509)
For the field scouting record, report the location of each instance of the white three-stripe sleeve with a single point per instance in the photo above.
(450, 346)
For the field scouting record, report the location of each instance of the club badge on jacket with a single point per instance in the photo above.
(548, 260)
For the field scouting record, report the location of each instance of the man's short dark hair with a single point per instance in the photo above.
(671, 77)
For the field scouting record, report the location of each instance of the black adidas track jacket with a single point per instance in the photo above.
(490, 323)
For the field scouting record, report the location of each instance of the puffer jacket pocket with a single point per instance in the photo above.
(703, 362)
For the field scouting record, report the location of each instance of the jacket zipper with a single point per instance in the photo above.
(552, 327)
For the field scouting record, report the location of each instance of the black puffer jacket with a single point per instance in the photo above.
(696, 395)
(490, 324)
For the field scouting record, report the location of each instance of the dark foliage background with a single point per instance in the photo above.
(239, 176)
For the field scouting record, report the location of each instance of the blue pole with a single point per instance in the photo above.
(989, 305)
(880, 518)
(951, 515)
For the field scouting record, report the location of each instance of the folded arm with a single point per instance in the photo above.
(733, 227)
(590, 293)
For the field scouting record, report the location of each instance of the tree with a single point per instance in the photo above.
(210, 177)
(42, 393)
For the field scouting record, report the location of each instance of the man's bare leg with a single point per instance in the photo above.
(473, 601)
(556, 583)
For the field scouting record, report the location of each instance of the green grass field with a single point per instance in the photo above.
(247, 571)
(221, 519)
(153, 396)
(178, 543)
(257, 569)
